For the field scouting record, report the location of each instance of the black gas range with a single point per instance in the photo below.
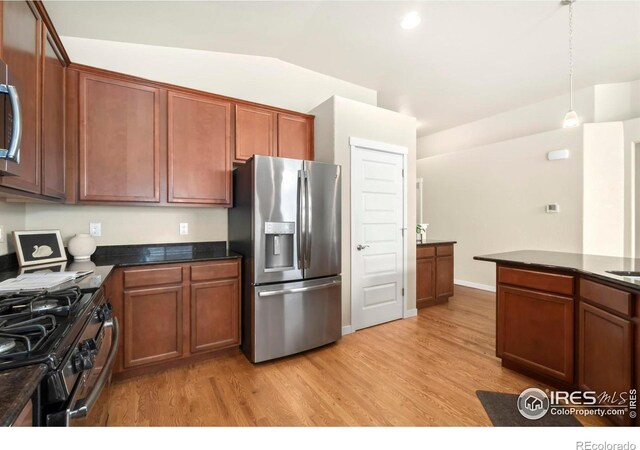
(74, 334)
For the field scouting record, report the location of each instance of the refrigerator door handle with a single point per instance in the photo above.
(308, 222)
(298, 290)
(300, 226)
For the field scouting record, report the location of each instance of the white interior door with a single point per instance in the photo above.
(377, 254)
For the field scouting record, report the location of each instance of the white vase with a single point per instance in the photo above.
(81, 247)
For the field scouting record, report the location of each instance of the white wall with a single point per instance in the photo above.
(339, 119)
(12, 217)
(258, 79)
(130, 224)
(263, 80)
(604, 189)
(491, 199)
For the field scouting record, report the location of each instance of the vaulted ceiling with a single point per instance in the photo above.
(465, 61)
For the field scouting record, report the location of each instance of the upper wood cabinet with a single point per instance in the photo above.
(295, 136)
(255, 132)
(53, 121)
(22, 47)
(199, 149)
(119, 142)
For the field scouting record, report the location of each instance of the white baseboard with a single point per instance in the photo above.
(471, 284)
(410, 313)
(347, 330)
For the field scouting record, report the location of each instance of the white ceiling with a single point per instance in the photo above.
(467, 60)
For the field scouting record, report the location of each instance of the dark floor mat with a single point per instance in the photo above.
(503, 411)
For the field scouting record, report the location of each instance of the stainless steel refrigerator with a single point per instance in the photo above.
(286, 223)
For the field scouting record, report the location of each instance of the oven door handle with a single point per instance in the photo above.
(83, 406)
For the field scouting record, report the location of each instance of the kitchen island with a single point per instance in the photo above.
(564, 319)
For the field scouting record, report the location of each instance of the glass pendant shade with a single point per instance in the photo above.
(571, 119)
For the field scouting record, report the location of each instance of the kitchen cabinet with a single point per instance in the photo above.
(21, 50)
(255, 132)
(434, 268)
(175, 313)
(53, 121)
(295, 137)
(119, 140)
(153, 325)
(535, 330)
(199, 149)
(215, 314)
(605, 349)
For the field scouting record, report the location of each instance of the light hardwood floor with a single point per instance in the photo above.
(421, 371)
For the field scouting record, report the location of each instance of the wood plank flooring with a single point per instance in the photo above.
(421, 371)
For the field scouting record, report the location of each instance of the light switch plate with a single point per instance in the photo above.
(184, 229)
(95, 229)
(1, 233)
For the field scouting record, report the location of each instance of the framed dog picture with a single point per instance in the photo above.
(39, 247)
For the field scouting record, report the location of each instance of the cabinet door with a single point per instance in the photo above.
(444, 276)
(199, 150)
(53, 122)
(605, 353)
(215, 315)
(21, 39)
(426, 281)
(535, 330)
(295, 137)
(152, 325)
(119, 140)
(255, 132)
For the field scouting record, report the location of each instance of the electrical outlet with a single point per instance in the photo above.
(1, 233)
(95, 229)
(184, 229)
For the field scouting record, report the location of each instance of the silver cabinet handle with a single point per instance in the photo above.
(297, 290)
(13, 152)
(361, 247)
(82, 408)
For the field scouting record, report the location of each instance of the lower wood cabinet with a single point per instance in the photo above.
(152, 325)
(605, 349)
(215, 314)
(173, 313)
(434, 269)
(535, 331)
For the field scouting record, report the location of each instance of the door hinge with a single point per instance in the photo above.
(402, 173)
(403, 292)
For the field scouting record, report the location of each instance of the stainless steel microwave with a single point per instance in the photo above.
(11, 122)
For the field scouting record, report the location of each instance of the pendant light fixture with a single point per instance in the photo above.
(571, 118)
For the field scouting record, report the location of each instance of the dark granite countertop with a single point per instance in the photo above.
(593, 265)
(144, 254)
(429, 242)
(16, 388)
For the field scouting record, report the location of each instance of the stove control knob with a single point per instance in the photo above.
(105, 312)
(83, 360)
(89, 345)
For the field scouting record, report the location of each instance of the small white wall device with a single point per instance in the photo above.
(556, 155)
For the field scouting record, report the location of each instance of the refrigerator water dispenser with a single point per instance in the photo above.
(279, 245)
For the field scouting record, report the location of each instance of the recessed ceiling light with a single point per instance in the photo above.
(410, 21)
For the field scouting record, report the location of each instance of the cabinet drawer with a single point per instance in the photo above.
(444, 250)
(550, 282)
(425, 252)
(215, 271)
(614, 299)
(152, 277)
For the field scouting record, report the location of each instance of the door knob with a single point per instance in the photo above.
(361, 247)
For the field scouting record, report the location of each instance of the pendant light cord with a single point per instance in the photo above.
(571, 56)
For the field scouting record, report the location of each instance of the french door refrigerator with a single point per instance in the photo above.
(286, 223)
